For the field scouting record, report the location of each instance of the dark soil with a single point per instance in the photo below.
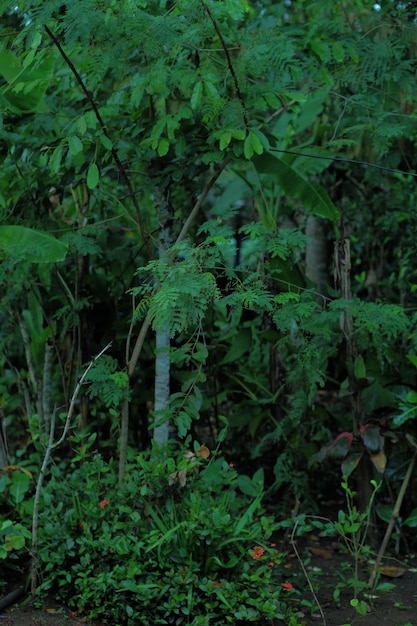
(397, 607)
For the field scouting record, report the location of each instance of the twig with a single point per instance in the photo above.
(297, 554)
(230, 64)
(46, 381)
(31, 369)
(115, 155)
(35, 516)
(75, 396)
(394, 516)
(201, 199)
(51, 446)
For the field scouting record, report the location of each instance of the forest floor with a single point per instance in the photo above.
(325, 567)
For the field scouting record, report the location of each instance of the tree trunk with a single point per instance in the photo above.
(317, 253)
(4, 452)
(162, 356)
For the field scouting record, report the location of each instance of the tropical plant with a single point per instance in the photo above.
(183, 180)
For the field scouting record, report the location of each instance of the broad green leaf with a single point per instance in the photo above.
(412, 358)
(211, 90)
(82, 125)
(129, 584)
(238, 133)
(248, 148)
(411, 397)
(55, 160)
(411, 519)
(247, 485)
(75, 145)
(93, 176)
(359, 367)
(338, 52)
(351, 462)
(163, 147)
(35, 246)
(225, 140)
(183, 423)
(256, 143)
(380, 461)
(384, 512)
(15, 542)
(27, 78)
(406, 413)
(19, 487)
(240, 344)
(196, 95)
(313, 197)
(106, 142)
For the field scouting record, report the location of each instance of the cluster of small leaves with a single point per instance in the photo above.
(382, 323)
(175, 540)
(182, 294)
(107, 382)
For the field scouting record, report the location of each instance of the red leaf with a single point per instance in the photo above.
(372, 437)
(345, 435)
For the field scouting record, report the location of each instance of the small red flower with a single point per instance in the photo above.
(271, 564)
(103, 503)
(273, 545)
(257, 552)
(287, 587)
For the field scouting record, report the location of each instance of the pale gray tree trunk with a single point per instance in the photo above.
(162, 356)
(162, 385)
(4, 452)
(317, 253)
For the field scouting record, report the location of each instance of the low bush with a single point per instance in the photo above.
(185, 540)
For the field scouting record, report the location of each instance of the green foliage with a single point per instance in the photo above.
(183, 294)
(247, 118)
(311, 195)
(16, 488)
(107, 383)
(181, 538)
(352, 527)
(28, 245)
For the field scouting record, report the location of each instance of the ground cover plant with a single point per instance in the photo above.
(208, 298)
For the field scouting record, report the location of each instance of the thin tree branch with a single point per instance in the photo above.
(75, 397)
(51, 446)
(35, 515)
(201, 199)
(394, 517)
(230, 64)
(297, 554)
(115, 155)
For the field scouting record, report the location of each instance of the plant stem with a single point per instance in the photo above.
(394, 516)
(51, 446)
(35, 517)
(132, 361)
(121, 168)
(297, 554)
